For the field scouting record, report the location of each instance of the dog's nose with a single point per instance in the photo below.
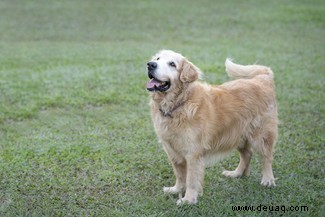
(152, 65)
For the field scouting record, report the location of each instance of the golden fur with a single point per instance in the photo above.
(198, 123)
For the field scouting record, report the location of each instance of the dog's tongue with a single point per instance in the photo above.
(152, 83)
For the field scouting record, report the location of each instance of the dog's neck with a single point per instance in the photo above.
(169, 102)
(169, 113)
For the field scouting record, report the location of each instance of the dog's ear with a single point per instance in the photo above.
(189, 72)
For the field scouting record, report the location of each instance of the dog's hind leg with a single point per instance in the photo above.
(267, 154)
(243, 167)
(264, 145)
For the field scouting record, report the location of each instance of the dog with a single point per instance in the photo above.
(199, 124)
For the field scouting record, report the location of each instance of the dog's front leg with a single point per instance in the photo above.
(180, 173)
(194, 180)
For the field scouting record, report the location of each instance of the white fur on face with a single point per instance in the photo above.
(165, 59)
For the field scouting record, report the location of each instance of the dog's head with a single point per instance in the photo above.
(167, 69)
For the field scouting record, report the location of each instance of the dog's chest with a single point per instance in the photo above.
(173, 132)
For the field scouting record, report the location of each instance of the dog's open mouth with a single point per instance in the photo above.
(156, 85)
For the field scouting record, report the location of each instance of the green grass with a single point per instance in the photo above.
(76, 137)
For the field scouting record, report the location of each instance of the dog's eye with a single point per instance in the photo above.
(172, 64)
(158, 58)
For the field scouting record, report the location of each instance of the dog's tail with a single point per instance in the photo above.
(248, 71)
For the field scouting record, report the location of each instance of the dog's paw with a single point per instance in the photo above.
(172, 190)
(268, 182)
(232, 174)
(184, 200)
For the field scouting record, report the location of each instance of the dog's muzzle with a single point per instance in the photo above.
(155, 84)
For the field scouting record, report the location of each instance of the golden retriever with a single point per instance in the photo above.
(198, 123)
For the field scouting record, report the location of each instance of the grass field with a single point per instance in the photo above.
(76, 138)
